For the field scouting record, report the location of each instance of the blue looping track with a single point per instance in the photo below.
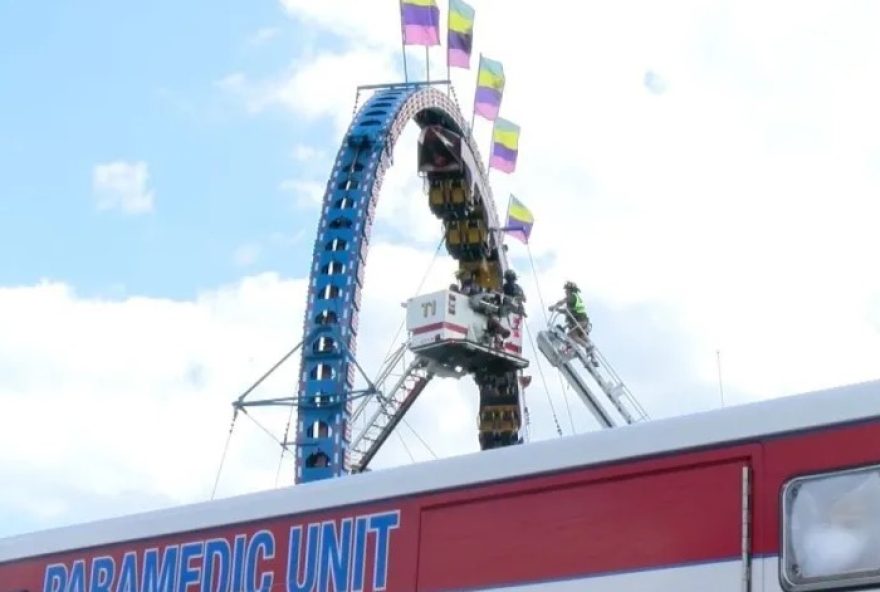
(339, 262)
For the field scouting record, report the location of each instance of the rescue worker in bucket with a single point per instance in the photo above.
(579, 325)
(514, 295)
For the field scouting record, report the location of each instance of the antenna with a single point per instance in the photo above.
(720, 383)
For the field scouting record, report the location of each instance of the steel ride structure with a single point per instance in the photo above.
(462, 198)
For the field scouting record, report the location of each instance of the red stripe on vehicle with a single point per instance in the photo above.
(437, 326)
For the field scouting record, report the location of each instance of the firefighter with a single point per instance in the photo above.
(513, 293)
(578, 321)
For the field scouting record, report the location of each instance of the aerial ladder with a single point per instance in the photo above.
(584, 367)
(388, 410)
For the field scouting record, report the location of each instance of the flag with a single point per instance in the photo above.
(421, 22)
(461, 34)
(490, 87)
(519, 220)
(505, 146)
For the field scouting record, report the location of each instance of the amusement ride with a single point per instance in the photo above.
(472, 329)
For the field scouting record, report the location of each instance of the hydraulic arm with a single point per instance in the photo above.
(588, 371)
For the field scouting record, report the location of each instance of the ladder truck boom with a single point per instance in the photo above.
(549, 344)
(562, 351)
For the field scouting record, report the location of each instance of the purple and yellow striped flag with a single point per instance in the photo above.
(460, 38)
(490, 87)
(421, 22)
(519, 220)
(505, 146)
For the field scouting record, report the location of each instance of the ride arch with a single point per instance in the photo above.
(339, 260)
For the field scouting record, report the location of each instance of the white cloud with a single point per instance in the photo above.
(306, 194)
(324, 85)
(403, 204)
(139, 389)
(123, 186)
(315, 87)
(374, 24)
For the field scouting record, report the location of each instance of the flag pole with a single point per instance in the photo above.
(474, 113)
(491, 145)
(403, 42)
(448, 68)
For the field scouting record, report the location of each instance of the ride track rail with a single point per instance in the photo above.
(338, 270)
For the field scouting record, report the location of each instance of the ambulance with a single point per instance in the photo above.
(775, 495)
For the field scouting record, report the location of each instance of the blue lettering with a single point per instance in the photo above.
(189, 574)
(360, 553)
(103, 571)
(238, 563)
(216, 555)
(329, 556)
(335, 556)
(56, 578)
(306, 583)
(77, 577)
(158, 579)
(382, 524)
(265, 542)
(128, 575)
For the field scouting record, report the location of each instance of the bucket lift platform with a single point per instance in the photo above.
(458, 335)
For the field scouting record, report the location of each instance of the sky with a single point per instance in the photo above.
(707, 172)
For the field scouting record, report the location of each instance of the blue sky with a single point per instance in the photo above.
(712, 186)
(96, 82)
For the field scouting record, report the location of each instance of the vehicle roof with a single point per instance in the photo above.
(841, 405)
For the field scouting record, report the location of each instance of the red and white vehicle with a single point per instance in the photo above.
(445, 327)
(783, 494)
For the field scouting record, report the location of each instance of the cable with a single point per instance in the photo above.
(405, 447)
(567, 406)
(547, 322)
(262, 427)
(418, 289)
(537, 284)
(543, 380)
(416, 434)
(225, 450)
(283, 447)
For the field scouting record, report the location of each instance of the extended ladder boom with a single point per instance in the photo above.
(389, 411)
(561, 350)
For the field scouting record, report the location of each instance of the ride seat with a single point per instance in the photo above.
(436, 196)
(458, 195)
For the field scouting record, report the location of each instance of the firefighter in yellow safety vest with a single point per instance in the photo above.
(579, 325)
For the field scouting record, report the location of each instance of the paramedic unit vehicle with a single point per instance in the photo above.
(769, 496)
